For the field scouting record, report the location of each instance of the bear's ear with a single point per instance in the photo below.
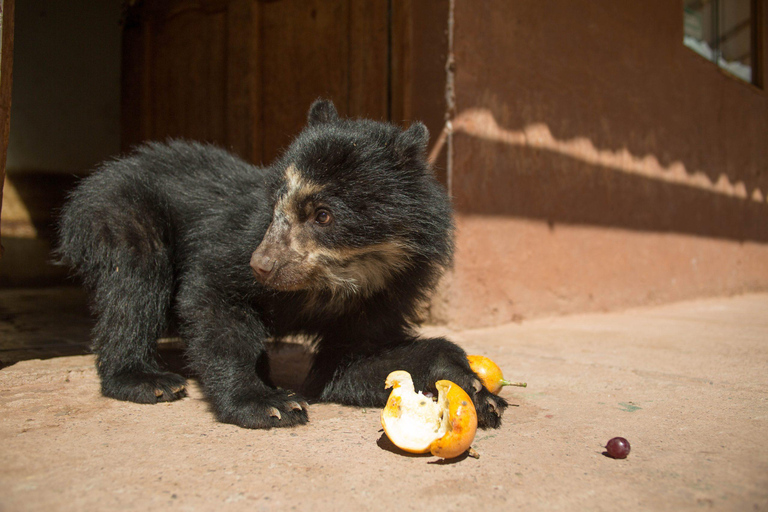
(412, 143)
(322, 111)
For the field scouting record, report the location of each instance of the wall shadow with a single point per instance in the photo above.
(618, 75)
(494, 178)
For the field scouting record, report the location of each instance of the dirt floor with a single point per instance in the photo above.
(684, 383)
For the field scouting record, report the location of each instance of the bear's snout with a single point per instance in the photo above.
(262, 265)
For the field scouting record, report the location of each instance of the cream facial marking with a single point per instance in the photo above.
(298, 189)
(350, 272)
(362, 270)
(288, 207)
(345, 271)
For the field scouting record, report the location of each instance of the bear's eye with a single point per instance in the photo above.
(323, 217)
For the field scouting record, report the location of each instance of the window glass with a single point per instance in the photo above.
(721, 31)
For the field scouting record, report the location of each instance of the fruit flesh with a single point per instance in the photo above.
(411, 420)
(415, 423)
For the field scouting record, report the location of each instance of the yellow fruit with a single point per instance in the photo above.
(490, 374)
(416, 424)
(462, 421)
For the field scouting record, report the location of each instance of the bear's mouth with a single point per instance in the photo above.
(286, 277)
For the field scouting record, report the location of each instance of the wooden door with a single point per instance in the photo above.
(242, 73)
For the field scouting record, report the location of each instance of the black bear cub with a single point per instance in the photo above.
(339, 240)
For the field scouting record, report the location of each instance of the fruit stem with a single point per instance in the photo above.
(518, 384)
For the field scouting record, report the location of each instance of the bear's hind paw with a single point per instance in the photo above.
(144, 386)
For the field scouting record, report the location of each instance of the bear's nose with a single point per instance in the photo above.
(262, 265)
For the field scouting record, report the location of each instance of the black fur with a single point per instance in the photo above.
(343, 250)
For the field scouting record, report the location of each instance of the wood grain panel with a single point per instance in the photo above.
(188, 72)
(135, 91)
(307, 57)
(243, 109)
(367, 91)
(243, 73)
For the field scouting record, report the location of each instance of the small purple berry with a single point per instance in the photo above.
(618, 448)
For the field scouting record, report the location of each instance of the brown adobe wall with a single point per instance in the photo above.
(598, 163)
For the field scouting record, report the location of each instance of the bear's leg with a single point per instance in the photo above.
(226, 350)
(132, 303)
(359, 379)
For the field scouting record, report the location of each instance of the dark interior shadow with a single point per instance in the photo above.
(289, 363)
(42, 194)
(43, 323)
(27, 260)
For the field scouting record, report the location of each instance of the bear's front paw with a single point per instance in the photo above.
(489, 408)
(264, 409)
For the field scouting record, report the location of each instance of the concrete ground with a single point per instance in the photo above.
(684, 383)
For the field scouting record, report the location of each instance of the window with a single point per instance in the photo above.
(725, 32)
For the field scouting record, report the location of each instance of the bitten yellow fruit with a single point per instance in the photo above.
(416, 424)
(490, 374)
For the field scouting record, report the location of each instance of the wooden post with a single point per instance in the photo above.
(6, 76)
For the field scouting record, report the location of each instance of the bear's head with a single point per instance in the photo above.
(355, 208)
